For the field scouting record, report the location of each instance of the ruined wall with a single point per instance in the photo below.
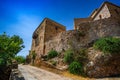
(104, 13)
(77, 21)
(65, 40)
(100, 28)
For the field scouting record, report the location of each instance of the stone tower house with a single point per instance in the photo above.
(106, 10)
(45, 32)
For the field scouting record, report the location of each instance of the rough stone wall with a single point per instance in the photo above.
(114, 11)
(38, 42)
(77, 21)
(52, 29)
(100, 65)
(100, 28)
(104, 13)
(64, 41)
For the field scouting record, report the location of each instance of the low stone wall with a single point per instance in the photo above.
(16, 75)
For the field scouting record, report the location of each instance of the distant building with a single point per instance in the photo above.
(45, 32)
(106, 10)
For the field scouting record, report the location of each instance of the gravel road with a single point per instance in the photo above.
(34, 73)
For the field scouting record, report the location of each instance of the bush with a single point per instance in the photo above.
(33, 55)
(53, 62)
(20, 59)
(76, 68)
(108, 45)
(52, 54)
(68, 56)
(81, 56)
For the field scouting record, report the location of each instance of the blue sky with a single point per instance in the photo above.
(22, 17)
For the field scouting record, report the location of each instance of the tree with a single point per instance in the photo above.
(9, 47)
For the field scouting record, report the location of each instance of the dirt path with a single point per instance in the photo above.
(34, 73)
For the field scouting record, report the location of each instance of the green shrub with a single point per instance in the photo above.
(108, 45)
(2, 62)
(20, 59)
(68, 56)
(52, 54)
(33, 55)
(53, 63)
(76, 68)
(81, 33)
(81, 56)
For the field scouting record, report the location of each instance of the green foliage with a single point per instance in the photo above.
(81, 33)
(52, 54)
(53, 62)
(2, 62)
(20, 59)
(76, 68)
(9, 47)
(81, 56)
(108, 45)
(68, 56)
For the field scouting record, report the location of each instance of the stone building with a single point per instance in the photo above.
(45, 32)
(103, 22)
(100, 23)
(106, 10)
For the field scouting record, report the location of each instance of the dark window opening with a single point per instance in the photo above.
(116, 11)
(56, 28)
(100, 16)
